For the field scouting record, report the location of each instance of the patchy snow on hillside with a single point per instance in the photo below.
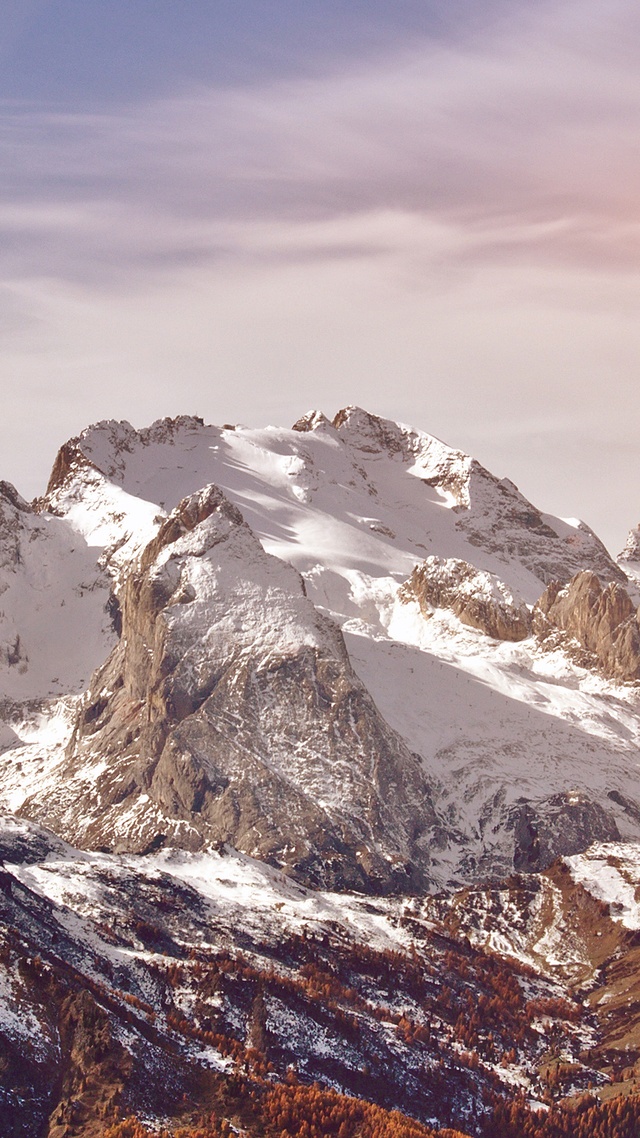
(239, 893)
(611, 872)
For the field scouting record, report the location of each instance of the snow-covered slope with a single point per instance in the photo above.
(629, 559)
(611, 873)
(525, 752)
(55, 625)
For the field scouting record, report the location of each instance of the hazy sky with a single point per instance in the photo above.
(245, 209)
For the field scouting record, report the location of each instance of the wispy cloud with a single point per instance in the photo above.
(449, 232)
(522, 142)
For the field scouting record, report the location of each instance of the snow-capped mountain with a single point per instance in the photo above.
(314, 662)
(310, 694)
(229, 711)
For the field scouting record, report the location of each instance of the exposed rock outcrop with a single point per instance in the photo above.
(229, 712)
(479, 599)
(312, 421)
(95, 1067)
(602, 619)
(69, 460)
(563, 825)
(629, 558)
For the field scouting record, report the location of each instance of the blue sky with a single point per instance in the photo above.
(77, 52)
(244, 210)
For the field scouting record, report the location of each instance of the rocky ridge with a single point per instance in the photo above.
(492, 514)
(630, 555)
(480, 600)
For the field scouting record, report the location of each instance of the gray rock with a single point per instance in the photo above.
(563, 825)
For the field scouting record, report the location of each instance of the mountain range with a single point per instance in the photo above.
(319, 768)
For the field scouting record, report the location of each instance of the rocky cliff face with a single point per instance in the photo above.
(229, 712)
(602, 619)
(563, 825)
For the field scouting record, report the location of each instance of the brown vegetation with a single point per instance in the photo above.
(290, 1110)
(588, 1118)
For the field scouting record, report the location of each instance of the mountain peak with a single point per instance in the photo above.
(312, 421)
(369, 432)
(631, 551)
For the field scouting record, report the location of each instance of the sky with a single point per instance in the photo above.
(245, 209)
